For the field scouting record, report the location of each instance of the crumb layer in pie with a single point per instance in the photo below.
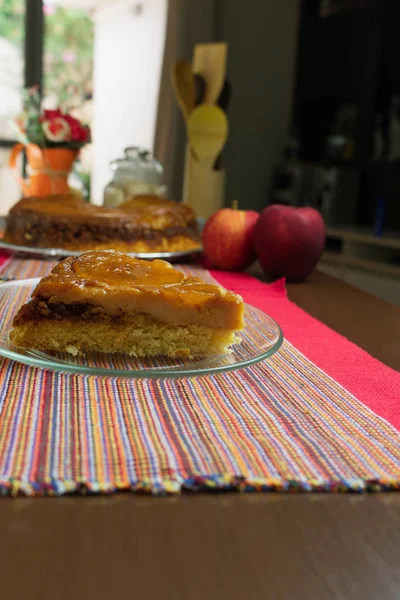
(140, 338)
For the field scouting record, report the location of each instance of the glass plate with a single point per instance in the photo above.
(59, 253)
(261, 338)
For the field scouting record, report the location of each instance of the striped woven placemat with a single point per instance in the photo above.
(281, 425)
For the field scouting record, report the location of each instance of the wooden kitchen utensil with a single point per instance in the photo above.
(209, 60)
(184, 87)
(208, 131)
(204, 188)
(200, 88)
(223, 102)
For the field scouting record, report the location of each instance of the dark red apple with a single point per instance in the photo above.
(289, 241)
(228, 239)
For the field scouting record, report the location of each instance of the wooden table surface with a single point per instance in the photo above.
(254, 546)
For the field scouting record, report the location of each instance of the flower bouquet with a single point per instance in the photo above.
(52, 140)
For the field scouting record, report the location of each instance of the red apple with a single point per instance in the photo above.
(289, 241)
(228, 239)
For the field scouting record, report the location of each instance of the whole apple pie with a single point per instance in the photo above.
(106, 301)
(145, 224)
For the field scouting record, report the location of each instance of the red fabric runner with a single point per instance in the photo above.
(4, 258)
(373, 383)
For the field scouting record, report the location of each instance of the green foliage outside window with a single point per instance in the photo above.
(68, 49)
(12, 17)
(68, 65)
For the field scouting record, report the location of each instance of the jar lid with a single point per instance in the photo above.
(122, 163)
(142, 168)
(135, 152)
(143, 157)
(131, 152)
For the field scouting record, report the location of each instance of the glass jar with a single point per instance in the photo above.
(137, 173)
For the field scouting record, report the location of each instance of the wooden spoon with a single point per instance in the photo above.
(183, 84)
(208, 131)
(209, 60)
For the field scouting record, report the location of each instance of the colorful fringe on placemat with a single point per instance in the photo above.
(282, 425)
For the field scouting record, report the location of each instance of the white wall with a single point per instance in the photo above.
(11, 78)
(262, 37)
(128, 59)
(10, 191)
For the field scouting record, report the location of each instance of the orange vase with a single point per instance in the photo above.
(48, 169)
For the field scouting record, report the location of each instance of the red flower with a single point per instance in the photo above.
(78, 133)
(49, 115)
(57, 130)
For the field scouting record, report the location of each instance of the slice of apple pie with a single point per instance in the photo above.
(106, 301)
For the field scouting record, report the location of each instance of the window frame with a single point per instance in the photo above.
(33, 51)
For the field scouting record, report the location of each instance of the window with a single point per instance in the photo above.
(12, 38)
(68, 56)
(46, 44)
(49, 44)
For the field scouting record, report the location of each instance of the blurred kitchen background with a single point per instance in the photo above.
(314, 115)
